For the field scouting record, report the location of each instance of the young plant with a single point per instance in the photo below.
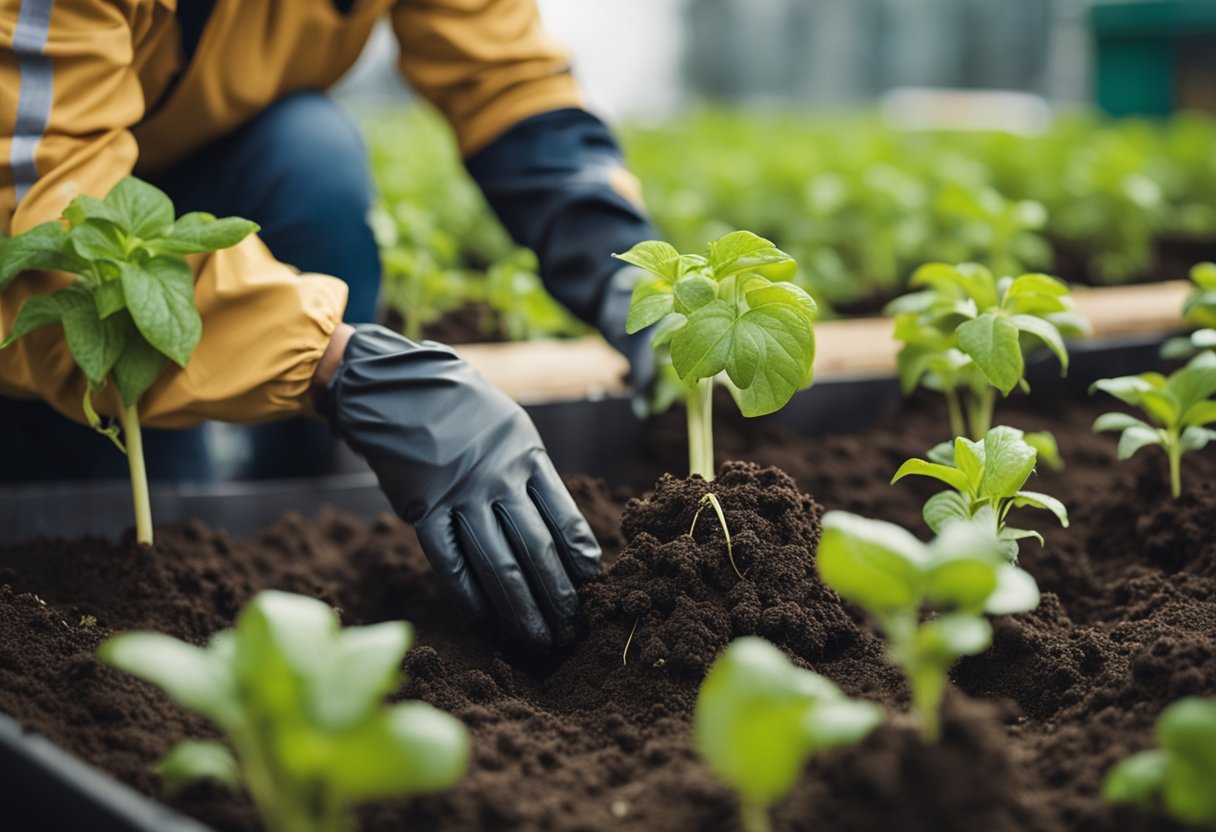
(1179, 408)
(965, 334)
(759, 718)
(1177, 777)
(988, 479)
(301, 703)
(1199, 309)
(734, 311)
(131, 306)
(893, 576)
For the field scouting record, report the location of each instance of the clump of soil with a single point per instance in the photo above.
(585, 741)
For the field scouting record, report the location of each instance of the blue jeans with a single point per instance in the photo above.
(299, 170)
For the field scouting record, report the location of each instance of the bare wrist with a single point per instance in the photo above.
(329, 362)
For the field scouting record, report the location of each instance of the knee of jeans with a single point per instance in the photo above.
(314, 153)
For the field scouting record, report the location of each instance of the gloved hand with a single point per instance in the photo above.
(464, 464)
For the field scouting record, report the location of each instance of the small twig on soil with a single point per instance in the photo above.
(712, 499)
(629, 641)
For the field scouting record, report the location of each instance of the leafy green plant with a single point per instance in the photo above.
(1200, 306)
(1177, 777)
(963, 573)
(759, 718)
(513, 289)
(300, 701)
(731, 311)
(965, 334)
(1199, 309)
(130, 308)
(988, 478)
(421, 279)
(1179, 408)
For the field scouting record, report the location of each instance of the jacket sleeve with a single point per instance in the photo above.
(485, 64)
(70, 98)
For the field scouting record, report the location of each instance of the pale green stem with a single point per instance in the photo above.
(755, 817)
(927, 690)
(133, 438)
(981, 413)
(1174, 451)
(699, 405)
(957, 426)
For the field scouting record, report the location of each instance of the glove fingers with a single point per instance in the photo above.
(537, 554)
(579, 550)
(500, 574)
(437, 535)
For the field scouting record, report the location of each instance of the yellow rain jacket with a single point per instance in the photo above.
(90, 92)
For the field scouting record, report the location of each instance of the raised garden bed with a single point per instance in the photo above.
(587, 741)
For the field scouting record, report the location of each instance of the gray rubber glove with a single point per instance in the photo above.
(464, 464)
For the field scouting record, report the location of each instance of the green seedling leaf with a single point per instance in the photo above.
(42, 247)
(302, 702)
(953, 477)
(199, 232)
(1136, 438)
(142, 209)
(1174, 779)
(758, 718)
(877, 565)
(160, 298)
(1037, 499)
(189, 675)
(988, 479)
(656, 257)
(944, 508)
(652, 301)
(743, 251)
(1008, 462)
(409, 748)
(992, 342)
(97, 240)
(694, 291)
(963, 573)
(139, 364)
(1048, 451)
(1195, 438)
(192, 760)
(1118, 421)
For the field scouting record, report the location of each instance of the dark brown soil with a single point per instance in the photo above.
(471, 323)
(598, 739)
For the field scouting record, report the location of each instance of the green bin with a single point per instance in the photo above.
(1154, 56)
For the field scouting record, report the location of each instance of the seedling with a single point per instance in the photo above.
(1200, 306)
(963, 574)
(759, 718)
(734, 311)
(1199, 309)
(300, 701)
(130, 308)
(1179, 408)
(965, 335)
(1177, 777)
(988, 479)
